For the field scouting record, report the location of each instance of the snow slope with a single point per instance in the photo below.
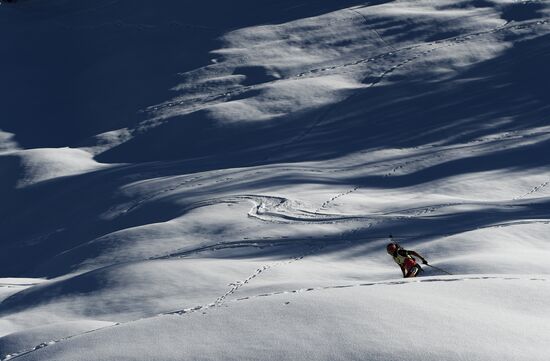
(341, 324)
(217, 180)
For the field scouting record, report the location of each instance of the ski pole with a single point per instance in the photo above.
(439, 269)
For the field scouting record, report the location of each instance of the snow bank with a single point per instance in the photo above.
(39, 165)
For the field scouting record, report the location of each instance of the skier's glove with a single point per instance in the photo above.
(424, 261)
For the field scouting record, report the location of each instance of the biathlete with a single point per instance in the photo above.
(405, 259)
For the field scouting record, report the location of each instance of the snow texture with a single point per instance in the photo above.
(217, 180)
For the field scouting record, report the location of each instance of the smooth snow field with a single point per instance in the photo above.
(217, 180)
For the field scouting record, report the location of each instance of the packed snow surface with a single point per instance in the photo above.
(218, 180)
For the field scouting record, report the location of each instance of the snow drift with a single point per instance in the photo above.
(218, 180)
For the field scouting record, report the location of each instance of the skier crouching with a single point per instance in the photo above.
(405, 260)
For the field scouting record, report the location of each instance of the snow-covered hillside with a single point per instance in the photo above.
(217, 180)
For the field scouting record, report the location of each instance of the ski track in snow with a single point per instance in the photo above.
(280, 210)
(217, 303)
(448, 42)
(367, 22)
(221, 300)
(238, 284)
(302, 215)
(255, 212)
(446, 154)
(209, 99)
(15, 355)
(348, 236)
(534, 190)
(265, 208)
(235, 286)
(339, 195)
(204, 180)
(389, 283)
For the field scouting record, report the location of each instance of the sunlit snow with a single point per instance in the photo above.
(217, 180)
